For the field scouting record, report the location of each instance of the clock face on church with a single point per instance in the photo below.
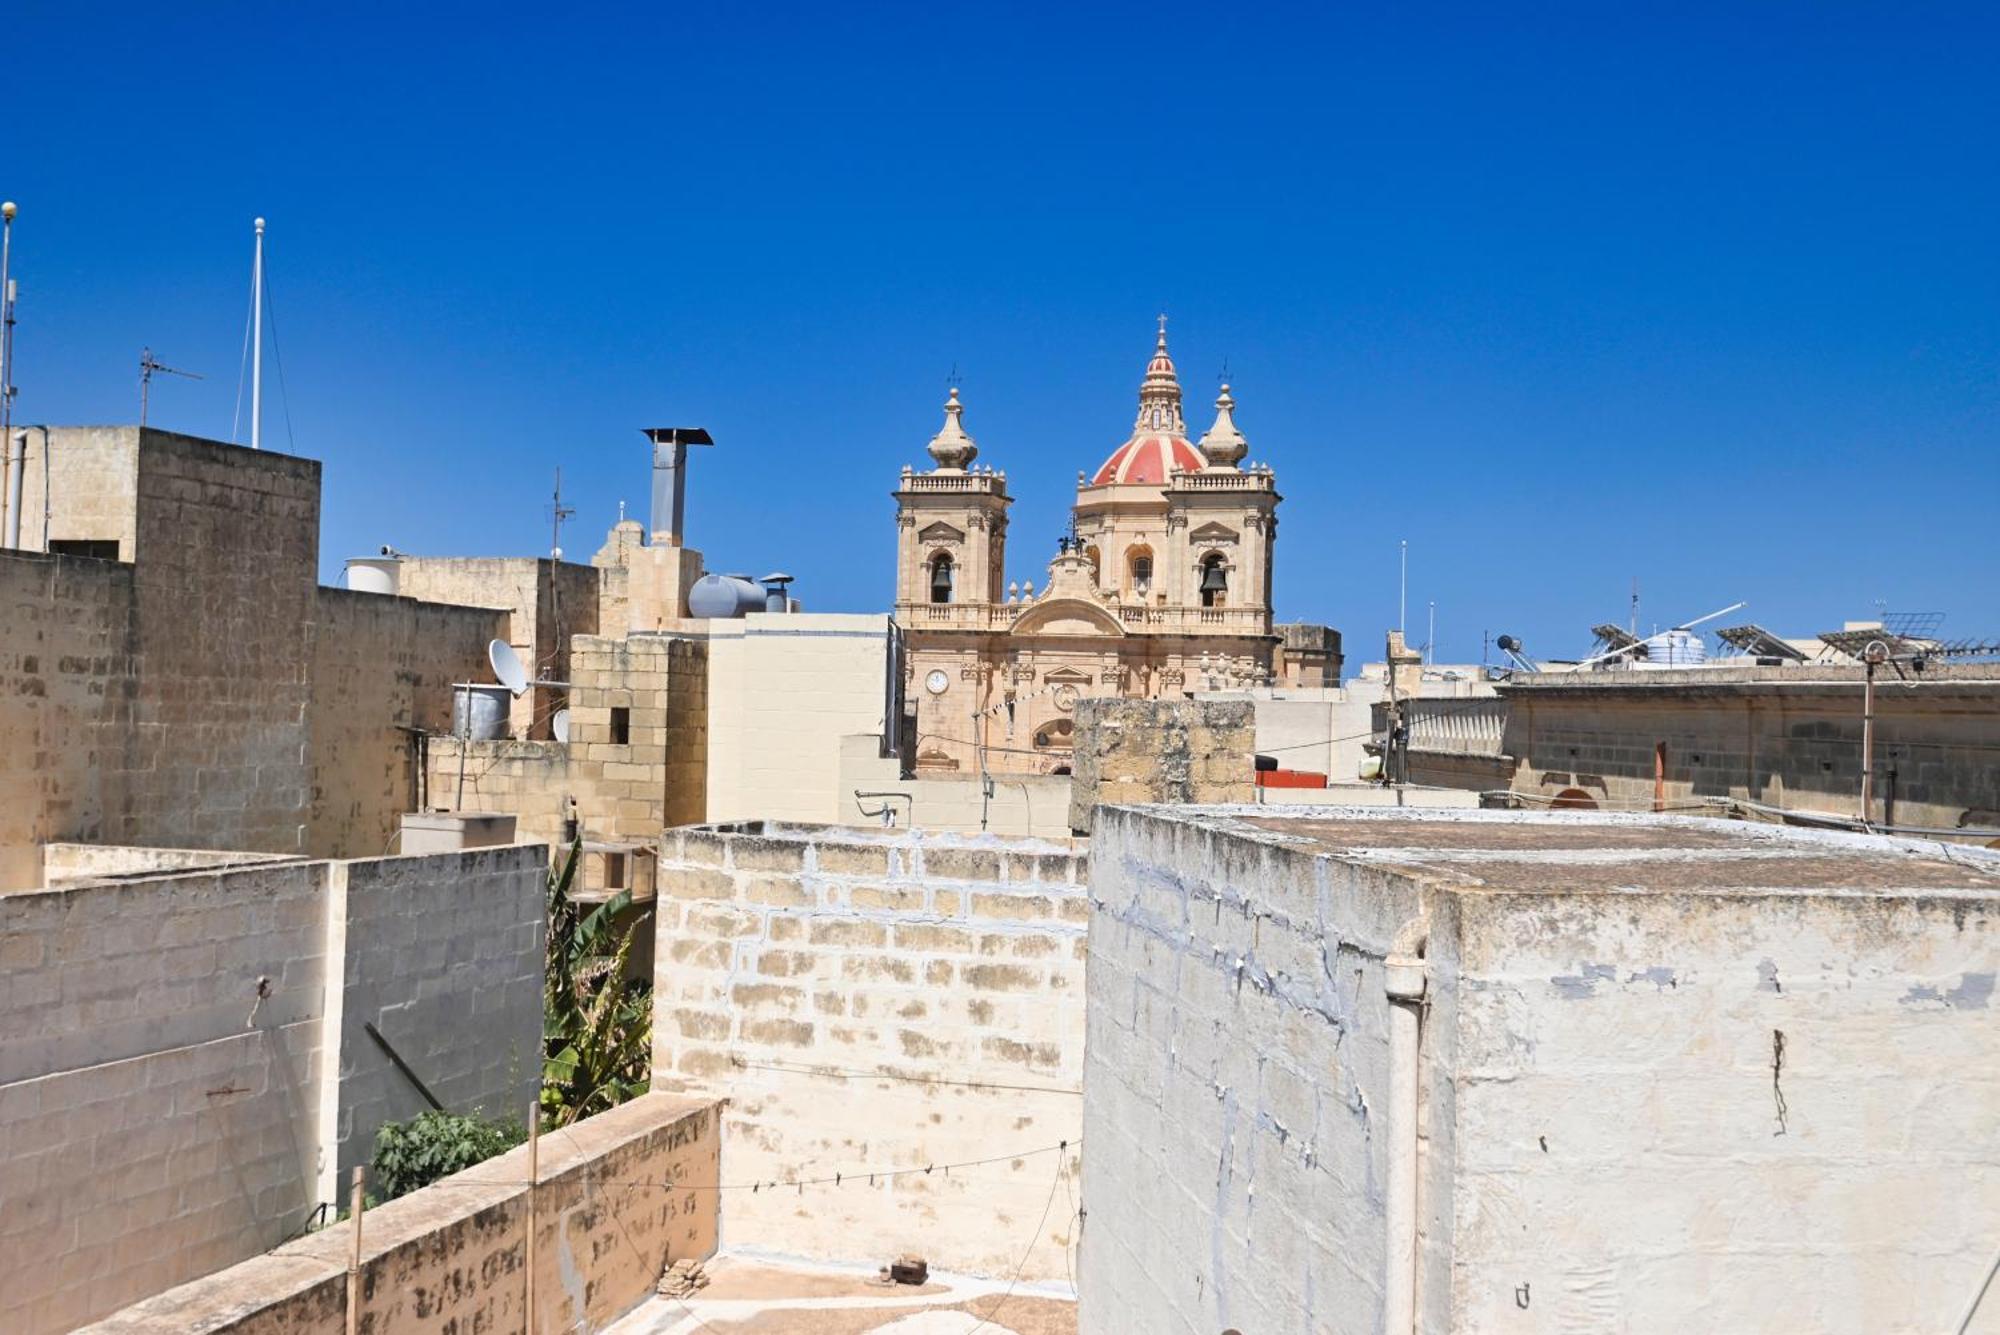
(937, 681)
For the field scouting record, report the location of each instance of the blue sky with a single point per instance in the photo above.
(1562, 295)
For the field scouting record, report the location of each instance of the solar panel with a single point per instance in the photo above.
(1614, 637)
(1753, 639)
(1912, 625)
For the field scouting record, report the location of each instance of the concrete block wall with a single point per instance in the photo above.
(67, 659)
(157, 1114)
(609, 1215)
(169, 1085)
(381, 667)
(881, 1002)
(472, 927)
(1235, 1073)
(1130, 751)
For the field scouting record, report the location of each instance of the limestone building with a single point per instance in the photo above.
(1161, 587)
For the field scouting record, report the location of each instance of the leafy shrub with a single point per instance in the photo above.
(597, 1030)
(432, 1145)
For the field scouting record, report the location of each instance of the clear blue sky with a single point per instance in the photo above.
(1562, 295)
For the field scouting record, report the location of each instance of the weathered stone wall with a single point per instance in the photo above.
(1787, 737)
(1235, 1071)
(451, 1258)
(66, 683)
(881, 1003)
(382, 667)
(227, 555)
(1131, 751)
(169, 1098)
(626, 791)
(1660, 1062)
(472, 926)
(548, 604)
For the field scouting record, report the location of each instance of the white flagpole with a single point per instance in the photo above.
(257, 334)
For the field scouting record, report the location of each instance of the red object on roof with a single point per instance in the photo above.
(1290, 778)
(1147, 460)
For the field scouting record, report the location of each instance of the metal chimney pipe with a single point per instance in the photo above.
(670, 480)
(775, 597)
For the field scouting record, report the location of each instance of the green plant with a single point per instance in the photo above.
(597, 1028)
(431, 1145)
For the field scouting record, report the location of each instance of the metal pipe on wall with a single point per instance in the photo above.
(1405, 978)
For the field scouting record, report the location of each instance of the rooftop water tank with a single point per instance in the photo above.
(375, 574)
(725, 596)
(1676, 648)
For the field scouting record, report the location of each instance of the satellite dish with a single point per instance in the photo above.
(507, 666)
(559, 725)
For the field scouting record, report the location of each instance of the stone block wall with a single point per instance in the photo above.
(169, 1086)
(1786, 737)
(227, 556)
(381, 668)
(625, 791)
(877, 1004)
(1134, 751)
(67, 663)
(609, 1214)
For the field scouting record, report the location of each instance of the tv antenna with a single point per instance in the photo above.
(557, 513)
(148, 364)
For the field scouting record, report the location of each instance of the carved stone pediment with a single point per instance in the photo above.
(1068, 675)
(941, 532)
(1213, 532)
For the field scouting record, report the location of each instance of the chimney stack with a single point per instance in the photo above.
(670, 480)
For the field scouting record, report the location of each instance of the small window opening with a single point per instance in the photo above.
(621, 726)
(97, 549)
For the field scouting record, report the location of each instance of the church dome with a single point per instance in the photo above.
(1158, 444)
(1148, 460)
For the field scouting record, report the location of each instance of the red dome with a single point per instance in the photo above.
(1146, 460)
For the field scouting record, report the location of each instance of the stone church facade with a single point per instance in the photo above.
(1162, 587)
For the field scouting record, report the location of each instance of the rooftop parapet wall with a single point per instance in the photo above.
(182, 1063)
(1633, 1027)
(1133, 751)
(610, 1212)
(881, 1002)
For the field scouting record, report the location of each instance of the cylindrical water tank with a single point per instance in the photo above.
(724, 596)
(480, 712)
(1676, 648)
(375, 574)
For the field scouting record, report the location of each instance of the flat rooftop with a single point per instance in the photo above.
(1561, 852)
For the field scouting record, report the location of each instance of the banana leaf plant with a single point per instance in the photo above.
(597, 1027)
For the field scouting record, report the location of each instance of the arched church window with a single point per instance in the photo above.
(1142, 571)
(1214, 582)
(941, 578)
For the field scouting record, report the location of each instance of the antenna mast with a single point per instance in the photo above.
(15, 468)
(147, 365)
(557, 513)
(257, 346)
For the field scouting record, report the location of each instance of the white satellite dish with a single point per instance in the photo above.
(559, 725)
(507, 666)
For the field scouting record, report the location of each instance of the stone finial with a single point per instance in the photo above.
(1224, 445)
(951, 447)
(1160, 393)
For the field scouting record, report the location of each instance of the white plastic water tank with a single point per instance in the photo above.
(724, 596)
(375, 574)
(1676, 648)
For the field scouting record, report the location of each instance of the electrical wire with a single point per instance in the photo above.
(278, 355)
(986, 1318)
